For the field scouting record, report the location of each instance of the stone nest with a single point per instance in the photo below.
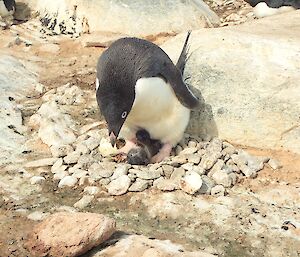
(196, 166)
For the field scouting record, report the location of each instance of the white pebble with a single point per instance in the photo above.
(84, 201)
(67, 181)
(191, 182)
(37, 180)
(119, 186)
(91, 190)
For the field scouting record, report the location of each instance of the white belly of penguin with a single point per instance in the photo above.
(156, 109)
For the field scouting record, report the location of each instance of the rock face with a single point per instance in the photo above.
(248, 79)
(69, 234)
(141, 246)
(16, 81)
(140, 18)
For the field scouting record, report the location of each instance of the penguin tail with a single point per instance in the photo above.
(183, 56)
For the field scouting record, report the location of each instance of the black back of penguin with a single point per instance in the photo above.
(276, 3)
(129, 59)
(10, 4)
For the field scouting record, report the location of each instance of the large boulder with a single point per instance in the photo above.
(16, 82)
(247, 78)
(132, 17)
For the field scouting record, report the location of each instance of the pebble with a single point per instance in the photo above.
(37, 216)
(189, 150)
(41, 163)
(57, 165)
(222, 178)
(274, 164)
(72, 158)
(79, 173)
(218, 190)
(177, 174)
(149, 174)
(60, 175)
(91, 190)
(85, 161)
(119, 186)
(82, 148)
(212, 154)
(37, 180)
(84, 201)
(139, 185)
(248, 172)
(61, 151)
(165, 184)
(194, 158)
(216, 168)
(168, 170)
(104, 181)
(207, 185)
(68, 181)
(92, 143)
(191, 182)
(84, 181)
(120, 171)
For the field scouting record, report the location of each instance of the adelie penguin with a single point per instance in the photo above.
(7, 8)
(263, 8)
(139, 87)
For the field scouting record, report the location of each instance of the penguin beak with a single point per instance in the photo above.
(112, 139)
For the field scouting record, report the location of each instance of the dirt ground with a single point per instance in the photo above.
(63, 60)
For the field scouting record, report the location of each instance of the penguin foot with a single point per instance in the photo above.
(164, 152)
(127, 147)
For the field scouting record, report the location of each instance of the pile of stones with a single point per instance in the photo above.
(196, 166)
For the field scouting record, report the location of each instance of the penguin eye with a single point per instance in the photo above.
(124, 114)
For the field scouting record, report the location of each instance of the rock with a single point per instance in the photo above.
(72, 158)
(37, 215)
(135, 18)
(82, 148)
(139, 185)
(100, 39)
(222, 178)
(41, 163)
(120, 171)
(85, 161)
(68, 181)
(80, 232)
(218, 190)
(88, 127)
(213, 152)
(104, 181)
(165, 184)
(37, 180)
(216, 168)
(194, 158)
(92, 143)
(248, 172)
(177, 174)
(210, 50)
(119, 186)
(79, 173)
(59, 175)
(189, 150)
(207, 185)
(57, 165)
(274, 164)
(56, 127)
(191, 182)
(149, 174)
(91, 190)
(84, 201)
(140, 246)
(16, 82)
(97, 171)
(105, 148)
(168, 170)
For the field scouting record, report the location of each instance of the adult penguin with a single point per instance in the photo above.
(7, 8)
(139, 87)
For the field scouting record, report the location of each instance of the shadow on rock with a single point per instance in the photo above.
(202, 121)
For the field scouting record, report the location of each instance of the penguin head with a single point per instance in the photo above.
(115, 106)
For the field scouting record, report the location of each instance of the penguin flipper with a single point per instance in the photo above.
(183, 55)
